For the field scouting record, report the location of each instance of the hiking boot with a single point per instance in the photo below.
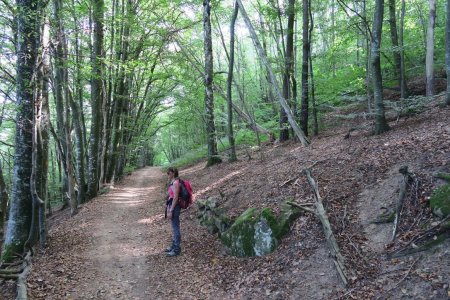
(168, 249)
(173, 253)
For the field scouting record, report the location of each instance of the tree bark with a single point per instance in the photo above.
(394, 39)
(447, 52)
(288, 68)
(430, 49)
(299, 133)
(403, 85)
(3, 201)
(381, 124)
(209, 96)
(96, 97)
(311, 74)
(28, 22)
(304, 115)
(229, 85)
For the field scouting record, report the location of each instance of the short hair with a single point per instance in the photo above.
(173, 170)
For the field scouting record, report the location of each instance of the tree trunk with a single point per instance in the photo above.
(288, 68)
(403, 86)
(63, 100)
(3, 201)
(213, 157)
(380, 122)
(299, 133)
(447, 52)
(394, 40)
(96, 97)
(304, 115)
(42, 169)
(430, 49)
(229, 85)
(311, 74)
(28, 22)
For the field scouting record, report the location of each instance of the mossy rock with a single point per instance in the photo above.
(252, 234)
(440, 201)
(288, 215)
(257, 233)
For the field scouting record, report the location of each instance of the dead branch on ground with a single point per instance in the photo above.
(320, 212)
(407, 177)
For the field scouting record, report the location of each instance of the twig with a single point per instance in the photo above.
(401, 280)
(420, 236)
(346, 294)
(287, 182)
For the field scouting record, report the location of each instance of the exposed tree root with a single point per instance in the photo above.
(20, 275)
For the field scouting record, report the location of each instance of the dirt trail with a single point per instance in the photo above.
(117, 252)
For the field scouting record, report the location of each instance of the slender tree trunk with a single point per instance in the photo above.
(64, 100)
(430, 49)
(311, 74)
(394, 39)
(96, 96)
(20, 213)
(381, 124)
(213, 157)
(304, 115)
(299, 133)
(403, 86)
(3, 201)
(43, 158)
(78, 121)
(229, 85)
(447, 52)
(288, 68)
(60, 86)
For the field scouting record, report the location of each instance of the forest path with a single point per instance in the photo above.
(117, 250)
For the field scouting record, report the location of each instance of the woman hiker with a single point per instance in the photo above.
(173, 212)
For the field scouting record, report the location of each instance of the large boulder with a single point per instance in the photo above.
(440, 201)
(257, 233)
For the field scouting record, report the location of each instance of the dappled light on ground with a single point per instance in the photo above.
(219, 182)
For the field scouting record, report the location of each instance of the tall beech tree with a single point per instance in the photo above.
(229, 85)
(430, 48)
(304, 115)
(28, 32)
(98, 7)
(209, 95)
(288, 73)
(381, 124)
(447, 52)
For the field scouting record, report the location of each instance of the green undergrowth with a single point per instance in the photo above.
(243, 138)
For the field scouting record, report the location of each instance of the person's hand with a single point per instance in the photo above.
(169, 214)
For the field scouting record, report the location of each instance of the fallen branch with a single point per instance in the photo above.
(301, 207)
(339, 260)
(430, 232)
(403, 186)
